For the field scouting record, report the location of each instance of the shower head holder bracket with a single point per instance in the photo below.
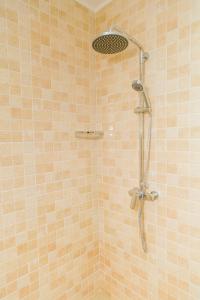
(145, 56)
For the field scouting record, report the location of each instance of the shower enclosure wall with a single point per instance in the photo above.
(169, 31)
(48, 211)
(66, 228)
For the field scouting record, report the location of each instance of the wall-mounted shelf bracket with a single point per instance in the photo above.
(91, 135)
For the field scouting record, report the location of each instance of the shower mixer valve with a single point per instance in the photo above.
(141, 194)
(138, 194)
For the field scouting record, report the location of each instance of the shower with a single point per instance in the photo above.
(114, 41)
(137, 85)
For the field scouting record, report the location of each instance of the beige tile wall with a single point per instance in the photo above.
(170, 31)
(51, 183)
(48, 223)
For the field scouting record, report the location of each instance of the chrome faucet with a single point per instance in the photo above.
(139, 196)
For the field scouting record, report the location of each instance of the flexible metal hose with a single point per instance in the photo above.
(141, 224)
(145, 179)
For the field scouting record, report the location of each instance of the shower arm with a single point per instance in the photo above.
(143, 56)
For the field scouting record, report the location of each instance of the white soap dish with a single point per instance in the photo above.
(92, 135)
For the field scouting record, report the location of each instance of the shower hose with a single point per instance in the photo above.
(142, 199)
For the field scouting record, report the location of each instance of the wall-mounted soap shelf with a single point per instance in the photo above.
(91, 135)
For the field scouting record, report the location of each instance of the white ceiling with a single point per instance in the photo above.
(94, 5)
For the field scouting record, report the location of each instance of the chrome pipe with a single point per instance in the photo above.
(141, 122)
(128, 36)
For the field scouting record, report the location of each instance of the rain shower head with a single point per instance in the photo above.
(110, 42)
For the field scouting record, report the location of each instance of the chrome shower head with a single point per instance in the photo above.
(137, 85)
(110, 42)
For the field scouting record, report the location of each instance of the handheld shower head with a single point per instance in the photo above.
(137, 85)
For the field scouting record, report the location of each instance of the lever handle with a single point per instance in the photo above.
(134, 196)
